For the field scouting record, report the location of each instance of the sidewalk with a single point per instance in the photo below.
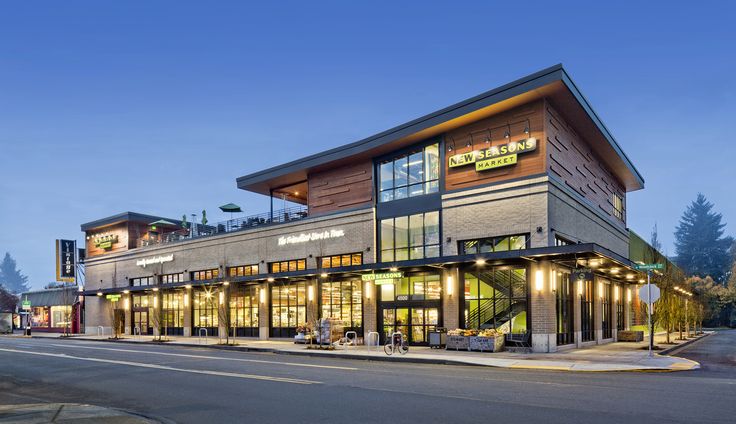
(609, 357)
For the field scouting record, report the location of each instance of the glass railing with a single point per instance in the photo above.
(194, 231)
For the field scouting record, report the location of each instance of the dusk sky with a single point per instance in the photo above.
(156, 107)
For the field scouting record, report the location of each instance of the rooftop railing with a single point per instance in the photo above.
(196, 231)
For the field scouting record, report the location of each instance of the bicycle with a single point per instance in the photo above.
(397, 343)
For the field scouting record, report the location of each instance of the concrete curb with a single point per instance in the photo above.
(670, 350)
(404, 359)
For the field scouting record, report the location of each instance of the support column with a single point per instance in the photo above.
(370, 307)
(264, 294)
(127, 302)
(97, 313)
(187, 311)
(598, 285)
(542, 308)
(451, 307)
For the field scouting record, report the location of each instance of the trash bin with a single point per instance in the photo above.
(438, 338)
(28, 331)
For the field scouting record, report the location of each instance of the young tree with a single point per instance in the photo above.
(656, 244)
(701, 248)
(11, 277)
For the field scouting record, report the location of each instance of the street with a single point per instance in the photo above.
(193, 385)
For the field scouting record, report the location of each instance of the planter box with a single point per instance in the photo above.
(458, 342)
(630, 336)
(487, 344)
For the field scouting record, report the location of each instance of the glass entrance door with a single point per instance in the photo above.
(140, 320)
(414, 323)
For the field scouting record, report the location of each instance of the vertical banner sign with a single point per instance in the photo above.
(66, 260)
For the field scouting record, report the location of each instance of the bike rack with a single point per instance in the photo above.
(200, 335)
(100, 331)
(369, 340)
(351, 341)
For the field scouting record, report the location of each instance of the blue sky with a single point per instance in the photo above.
(157, 107)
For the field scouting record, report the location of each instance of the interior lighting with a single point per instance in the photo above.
(221, 298)
(270, 279)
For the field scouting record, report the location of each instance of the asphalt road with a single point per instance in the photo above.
(191, 385)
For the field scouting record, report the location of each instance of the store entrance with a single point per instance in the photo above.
(414, 322)
(140, 320)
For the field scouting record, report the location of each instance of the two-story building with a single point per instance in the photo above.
(506, 210)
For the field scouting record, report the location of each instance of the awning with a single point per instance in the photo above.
(52, 297)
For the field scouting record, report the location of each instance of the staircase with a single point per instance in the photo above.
(495, 313)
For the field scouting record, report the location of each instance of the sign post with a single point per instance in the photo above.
(651, 296)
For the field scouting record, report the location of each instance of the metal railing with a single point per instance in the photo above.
(195, 230)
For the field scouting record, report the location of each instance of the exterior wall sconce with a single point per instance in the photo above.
(186, 299)
(188, 286)
(450, 285)
(367, 290)
(126, 291)
(539, 280)
(323, 275)
(480, 261)
(553, 280)
(580, 288)
(600, 289)
(155, 301)
(310, 293)
(126, 304)
(615, 291)
(262, 295)
(221, 297)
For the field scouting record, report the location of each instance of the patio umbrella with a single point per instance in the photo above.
(231, 208)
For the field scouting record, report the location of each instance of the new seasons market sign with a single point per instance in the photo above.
(382, 277)
(313, 236)
(495, 156)
(155, 260)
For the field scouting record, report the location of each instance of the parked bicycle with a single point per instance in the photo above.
(397, 343)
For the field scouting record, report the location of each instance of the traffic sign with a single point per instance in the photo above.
(648, 267)
(644, 293)
(26, 304)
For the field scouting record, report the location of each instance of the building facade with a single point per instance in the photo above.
(506, 211)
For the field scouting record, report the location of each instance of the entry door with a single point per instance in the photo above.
(140, 320)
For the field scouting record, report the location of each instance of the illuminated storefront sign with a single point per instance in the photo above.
(66, 260)
(155, 260)
(382, 277)
(314, 236)
(495, 156)
(105, 242)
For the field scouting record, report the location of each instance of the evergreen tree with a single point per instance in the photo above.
(699, 243)
(10, 276)
(656, 244)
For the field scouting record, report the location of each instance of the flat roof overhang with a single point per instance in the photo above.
(552, 83)
(559, 254)
(123, 217)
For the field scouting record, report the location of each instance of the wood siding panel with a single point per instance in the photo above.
(477, 133)
(120, 230)
(343, 188)
(573, 161)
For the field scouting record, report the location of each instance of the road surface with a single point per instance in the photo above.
(193, 385)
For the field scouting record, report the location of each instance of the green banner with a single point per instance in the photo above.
(26, 304)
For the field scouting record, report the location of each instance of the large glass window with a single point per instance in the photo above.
(39, 316)
(412, 174)
(241, 271)
(586, 310)
(172, 278)
(172, 312)
(61, 316)
(142, 313)
(207, 274)
(493, 244)
(620, 321)
(336, 261)
(417, 286)
(286, 266)
(141, 281)
(564, 309)
(618, 206)
(288, 308)
(496, 298)
(244, 310)
(205, 304)
(605, 294)
(410, 237)
(343, 300)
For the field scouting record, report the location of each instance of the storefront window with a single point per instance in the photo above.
(288, 308)
(61, 316)
(606, 309)
(564, 309)
(620, 324)
(241, 271)
(205, 305)
(172, 312)
(496, 298)
(336, 261)
(343, 300)
(141, 281)
(244, 310)
(39, 316)
(172, 278)
(412, 174)
(586, 310)
(287, 266)
(419, 286)
(493, 244)
(410, 237)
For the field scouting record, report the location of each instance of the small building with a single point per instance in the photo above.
(54, 309)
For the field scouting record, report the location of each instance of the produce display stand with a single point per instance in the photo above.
(476, 343)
